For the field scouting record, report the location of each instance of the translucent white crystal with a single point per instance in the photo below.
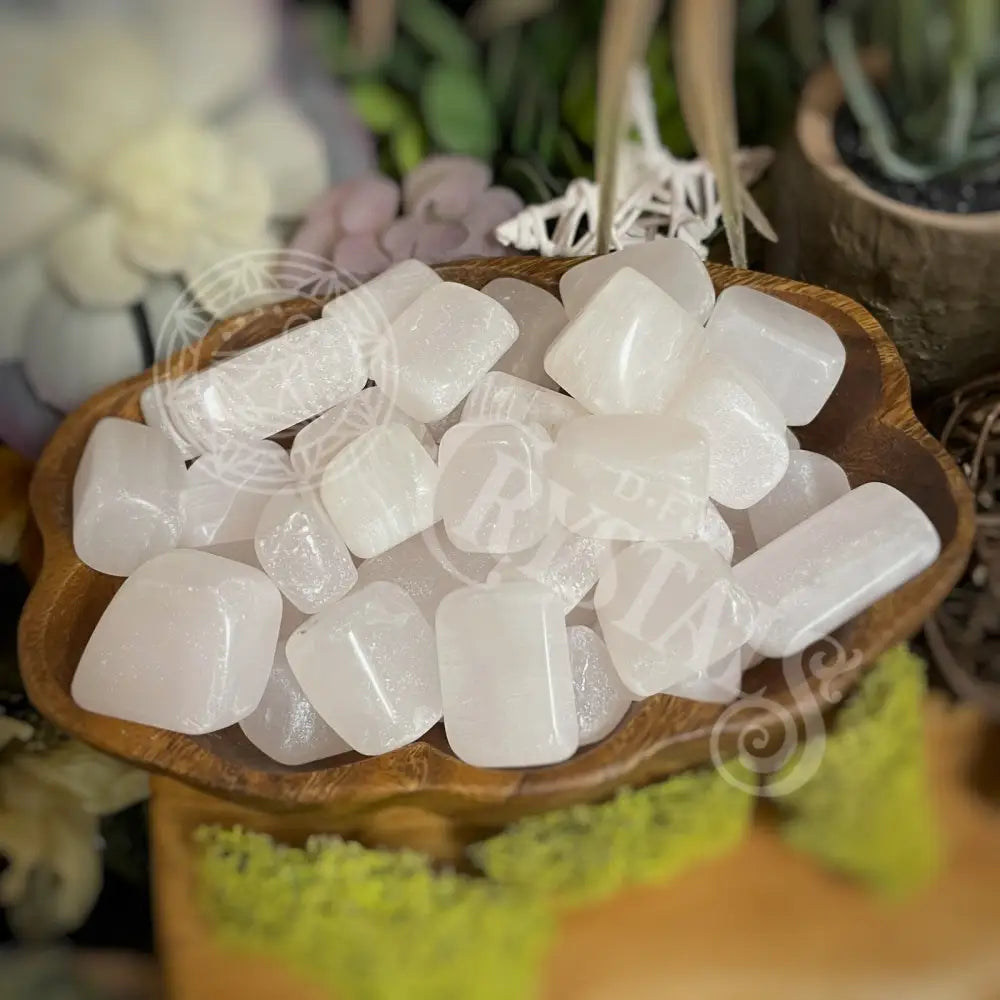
(379, 490)
(667, 611)
(369, 310)
(565, 562)
(630, 476)
(492, 495)
(670, 263)
(811, 482)
(302, 552)
(500, 396)
(796, 356)
(186, 644)
(629, 350)
(439, 347)
(716, 533)
(285, 726)
(719, 682)
(584, 614)
(539, 317)
(791, 440)
(506, 683)
(821, 573)
(601, 698)
(438, 428)
(324, 437)
(744, 429)
(126, 497)
(274, 385)
(427, 566)
(154, 405)
(226, 491)
(744, 543)
(367, 664)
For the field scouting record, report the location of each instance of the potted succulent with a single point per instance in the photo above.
(892, 187)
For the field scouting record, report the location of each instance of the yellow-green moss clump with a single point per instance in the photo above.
(372, 924)
(588, 852)
(867, 811)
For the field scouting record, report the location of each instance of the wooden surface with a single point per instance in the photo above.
(760, 922)
(868, 426)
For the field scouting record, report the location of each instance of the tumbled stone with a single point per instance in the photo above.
(834, 564)
(302, 552)
(629, 350)
(744, 543)
(719, 683)
(368, 311)
(186, 644)
(791, 440)
(630, 476)
(126, 497)
(744, 429)
(492, 495)
(668, 262)
(566, 563)
(427, 566)
(367, 664)
(439, 347)
(285, 726)
(438, 428)
(325, 436)
(796, 356)
(811, 482)
(501, 396)
(154, 404)
(667, 611)
(539, 316)
(269, 387)
(716, 533)
(379, 490)
(506, 682)
(601, 698)
(584, 614)
(226, 491)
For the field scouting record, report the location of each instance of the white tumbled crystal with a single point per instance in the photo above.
(796, 356)
(438, 428)
(492, 495)
(506, 682)
(126, 497)
(716, 533)
(719, 683)
(671, 263)
(822, 572)
(630, 476)
(744, 429)
(500, 396)
(285, 726)
(811, 482)
(427, 566)
(629, 350)
(317, 443)
(566, 563)
(368, 666)
(370, 309)
(225, 491)
(744, 543)
(439, 347)
(539, 316)
(154, 405)
(601, 698)
(186, 644)
(667, 611)
(269, 387)
(379, 490)
(302, 552)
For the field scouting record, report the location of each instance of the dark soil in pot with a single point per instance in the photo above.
(943, 194)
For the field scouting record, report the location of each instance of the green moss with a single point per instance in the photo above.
(372, 924)
(589, 852)
(867, 810)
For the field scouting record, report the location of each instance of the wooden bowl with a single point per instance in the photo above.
(867, 426)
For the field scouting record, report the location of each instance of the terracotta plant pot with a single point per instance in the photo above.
(930, 277)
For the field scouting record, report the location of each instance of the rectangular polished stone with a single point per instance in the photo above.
(834, 564)
(630, 476)
(719, 683)
(126, 497)
(629, 350)
(439, 347)
(186, 644)
(500, 396)
(796, 356)
(601, 698)
(506, 682)
(379, 490)
(367, 665)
